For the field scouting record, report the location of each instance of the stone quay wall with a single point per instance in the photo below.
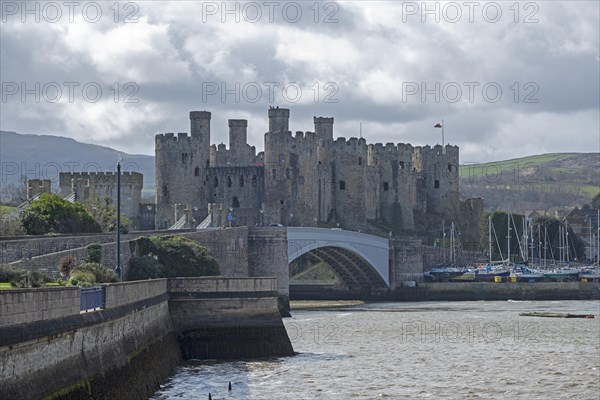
(131, 345)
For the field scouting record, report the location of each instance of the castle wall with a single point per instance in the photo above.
(239, 188)
(306, 178)
(38, 186)
(349, 176)
(393, 184)
(440, 178)
(93, 186)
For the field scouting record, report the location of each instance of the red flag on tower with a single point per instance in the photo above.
(438, 125)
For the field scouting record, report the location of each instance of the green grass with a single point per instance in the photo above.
(481, 169)
(6, 210)
(5, 285)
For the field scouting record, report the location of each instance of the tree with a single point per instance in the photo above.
(105, 214)
(500, 224)
(550, 227)
(52, 213)
(170, 257)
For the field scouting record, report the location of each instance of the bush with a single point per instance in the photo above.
(29, 279)
(82, 278)
(93, 253)
(66, 265)
(177, 255)
(101, 273)
(22, 278)
(8, 273)
(144, 267)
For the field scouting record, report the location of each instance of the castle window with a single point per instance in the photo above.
(196, 171)
(449, 167)
(287, 173)
(342, 185)
(241, 180)
(436, 184)
(401, 164)
(281, 202)
(229, 181)
(235, 203)
(165, 192)
(254, 180)
(386, 186)
(274, 174)
(359, 160)
(216, 182)
(184, 157)
(282, 158)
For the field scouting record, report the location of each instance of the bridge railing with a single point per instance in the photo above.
(91, 298)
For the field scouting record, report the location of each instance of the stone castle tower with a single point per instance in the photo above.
(303, 179)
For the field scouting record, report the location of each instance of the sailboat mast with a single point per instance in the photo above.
(490, 236)
(545, 243)
(568, 247)
(452, 251)
(508, 237)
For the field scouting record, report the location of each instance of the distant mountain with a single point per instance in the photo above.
(541, 182)
(44, 156)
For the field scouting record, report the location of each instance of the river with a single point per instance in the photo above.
(452, 350)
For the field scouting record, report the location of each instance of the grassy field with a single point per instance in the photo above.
(479, 170)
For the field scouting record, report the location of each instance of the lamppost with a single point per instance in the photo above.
(118, 269)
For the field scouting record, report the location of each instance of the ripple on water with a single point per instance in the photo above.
(376, 355)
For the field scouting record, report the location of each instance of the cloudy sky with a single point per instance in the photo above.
(509, 79)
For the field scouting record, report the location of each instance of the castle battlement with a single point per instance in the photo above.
(302, 177)
(167, 138)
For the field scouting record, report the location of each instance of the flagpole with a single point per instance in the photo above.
(442, 133)
(443, 148)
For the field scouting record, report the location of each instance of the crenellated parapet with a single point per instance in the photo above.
(305, 177)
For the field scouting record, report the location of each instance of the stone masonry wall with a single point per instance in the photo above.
(21, 306)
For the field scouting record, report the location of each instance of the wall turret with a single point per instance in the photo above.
(324, 128)
(200, 126)
(279, 120)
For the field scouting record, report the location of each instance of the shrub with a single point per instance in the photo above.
(177, 255)
(93, 253)
(144, 267)
(82, 278)
(22, 278)
(9, 273)
(28, 279)
(101, 273)
(66, 265)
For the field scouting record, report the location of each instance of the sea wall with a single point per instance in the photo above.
(127, 348)
(455, 291)
(217, 318)
(122, 351)
(466, 291)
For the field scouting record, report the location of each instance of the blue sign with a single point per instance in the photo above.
(230, 217)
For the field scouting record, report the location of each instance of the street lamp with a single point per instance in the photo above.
(118, 269)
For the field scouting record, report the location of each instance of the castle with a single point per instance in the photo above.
(302, 179)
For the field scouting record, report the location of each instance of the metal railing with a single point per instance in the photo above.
(91, 298)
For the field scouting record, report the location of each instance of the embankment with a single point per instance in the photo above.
(132, 343)
(453, 291)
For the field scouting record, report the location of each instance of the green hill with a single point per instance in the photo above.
(538, 182)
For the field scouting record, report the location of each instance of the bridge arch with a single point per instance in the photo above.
(358, 259)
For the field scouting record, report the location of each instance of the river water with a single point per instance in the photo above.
(452, 350)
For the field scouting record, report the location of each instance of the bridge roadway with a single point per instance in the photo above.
(359, 260)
